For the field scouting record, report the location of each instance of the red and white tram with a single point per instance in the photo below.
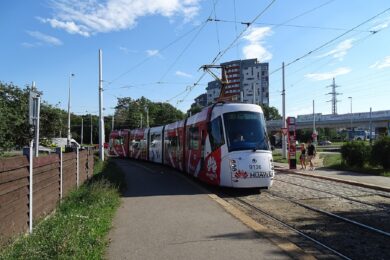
(224, 144)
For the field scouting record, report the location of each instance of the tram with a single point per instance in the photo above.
(225, 144)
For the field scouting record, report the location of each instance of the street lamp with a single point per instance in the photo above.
(351, 111)
(69, 137)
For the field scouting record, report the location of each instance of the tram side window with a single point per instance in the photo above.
(193, 138)
(154, 139)
(216, 133)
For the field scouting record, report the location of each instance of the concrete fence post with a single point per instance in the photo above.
(59, 152)
(78, 166)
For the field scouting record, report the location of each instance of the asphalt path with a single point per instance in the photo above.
(165, 215)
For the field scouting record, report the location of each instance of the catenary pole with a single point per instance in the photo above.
(284, 124)
(91, 130)
(69, 136)
(101, 119)
(112, 123)
(370, 126)
(82, 131)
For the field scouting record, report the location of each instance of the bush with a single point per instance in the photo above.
(355, 153)
(380, 154)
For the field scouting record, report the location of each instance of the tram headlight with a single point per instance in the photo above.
(233, 165)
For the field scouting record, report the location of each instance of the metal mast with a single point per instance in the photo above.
(334, 97)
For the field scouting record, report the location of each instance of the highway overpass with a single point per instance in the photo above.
(359, 120)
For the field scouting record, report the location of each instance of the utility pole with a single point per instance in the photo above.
(82, 131)
(350, 98)
(91, 129)
(112, 123)
(141, 121)
(69, 136)
(284, 123)
(314, 125)
(101, 119)
(334, 97)
(147, 116)
(370, 126)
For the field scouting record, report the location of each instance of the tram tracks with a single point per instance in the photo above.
(345, 238)
(386, 208)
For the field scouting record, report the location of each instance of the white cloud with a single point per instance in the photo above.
(44, 38)
(91, 17)
(328, 75)
(381, 64)
(183, 74)
(127, 50)
(151, 53)
(28, 44)
(340, 51)
(255, 48)
(384, 23)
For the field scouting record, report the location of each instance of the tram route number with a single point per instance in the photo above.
(260, 174)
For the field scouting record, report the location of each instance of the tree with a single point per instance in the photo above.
(194, 109)
(14, 127)
(271, 113)
(129, 113)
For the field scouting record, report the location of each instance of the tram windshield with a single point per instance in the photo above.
(246, 131)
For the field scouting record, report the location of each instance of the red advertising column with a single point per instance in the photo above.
(292, 148)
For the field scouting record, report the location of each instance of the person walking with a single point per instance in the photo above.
(302, 157)
(311, 153)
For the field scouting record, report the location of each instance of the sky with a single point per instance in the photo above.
(154, 48)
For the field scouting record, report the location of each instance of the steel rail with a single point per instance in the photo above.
(336, 216)
(292, 228)
(338, 195)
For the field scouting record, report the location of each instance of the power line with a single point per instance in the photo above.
(160, 50)
(235, 25)
(292, 25)
(216, 27)
(220, 54)
(184, 50)
(332, 40)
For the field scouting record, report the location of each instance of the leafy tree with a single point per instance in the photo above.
(194, 109)
(14, 127)
(129, 113)
(271, 113)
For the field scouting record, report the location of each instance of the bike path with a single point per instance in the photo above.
(354, 178)
(165, 216)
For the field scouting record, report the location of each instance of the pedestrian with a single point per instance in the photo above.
(302, 157)
(311, 153)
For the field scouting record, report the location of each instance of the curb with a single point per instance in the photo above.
(355, 183)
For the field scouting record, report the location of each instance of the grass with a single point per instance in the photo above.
(278, 157)
(80, 224)
(334, 161)
(331, 160)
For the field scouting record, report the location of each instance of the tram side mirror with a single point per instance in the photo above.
(272, 148)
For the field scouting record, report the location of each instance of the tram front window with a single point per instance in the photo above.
(245, 131)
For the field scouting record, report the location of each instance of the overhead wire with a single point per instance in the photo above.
(235, 25)
(216, 27)
(331, 41)
(159, 50)
(184, 50)
(222, 53)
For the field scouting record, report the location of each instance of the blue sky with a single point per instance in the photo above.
(154, 48)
